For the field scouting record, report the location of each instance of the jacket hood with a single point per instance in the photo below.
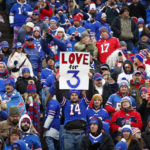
(21, 3)
(25, 116)
(128, 62)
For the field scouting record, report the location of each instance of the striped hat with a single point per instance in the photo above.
(140, 56)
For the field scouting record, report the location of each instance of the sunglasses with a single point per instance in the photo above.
(30, 40)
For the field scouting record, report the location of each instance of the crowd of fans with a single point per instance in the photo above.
(114, 113)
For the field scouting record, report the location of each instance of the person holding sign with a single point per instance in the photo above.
(75, 114)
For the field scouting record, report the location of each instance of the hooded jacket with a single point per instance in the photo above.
(29, 137)
(105, 144)
(19, 13)
(124, 74)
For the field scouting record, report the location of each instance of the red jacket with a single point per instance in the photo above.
(47, 11)
(120, 118)
(106, 48)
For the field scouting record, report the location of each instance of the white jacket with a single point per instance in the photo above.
(20, 57)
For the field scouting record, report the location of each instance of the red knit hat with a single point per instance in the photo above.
(76, 18)
(31, 88)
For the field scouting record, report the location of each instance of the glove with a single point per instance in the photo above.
(15, 62)
(24, 11)
(77, 38)
(49, 37)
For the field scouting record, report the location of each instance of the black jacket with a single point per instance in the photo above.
(146, 138)
(116, 28)
(138, 11)
(134, 145)
(22, 83)
(105, 144)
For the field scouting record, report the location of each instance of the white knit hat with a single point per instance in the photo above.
(60, 29)
(30, 24)
(92, 6)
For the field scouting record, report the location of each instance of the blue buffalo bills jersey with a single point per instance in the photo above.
(19, 12)
(32, 141)
(100, 113)
(53, 109)
(74, 111)
(115, 99)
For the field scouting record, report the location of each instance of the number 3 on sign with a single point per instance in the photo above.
(104, 48)
(75, 73)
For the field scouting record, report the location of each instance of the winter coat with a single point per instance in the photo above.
(134, 90)
(116, 28)
(119, 119)
(144, 110)
(138, 10)
(29, 136)
(5, 127)
(146, 137)
(46, 11)
(16, 57)
(15, 99)
(124, 73)
(81, 47)
(35, 58)
(134, 145)
(22, 83)
(105, 144)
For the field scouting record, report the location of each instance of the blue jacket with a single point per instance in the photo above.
(15, 100)
(2, 87)
(53, 109)
(35, 59)
(44, 75)
(60, 44)
(20, 13)
(121, 145)
(37, 43)
(73, 29)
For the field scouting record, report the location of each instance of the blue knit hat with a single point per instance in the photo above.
(142, 89)
(94, 121)
(25, 69)
(123, 83)
(10, 81)
(140, 56)
(126, 127)
(126, 98)
(74, 91)
(28, 37)
(31, 88)
(140, 21)
(103, 29)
